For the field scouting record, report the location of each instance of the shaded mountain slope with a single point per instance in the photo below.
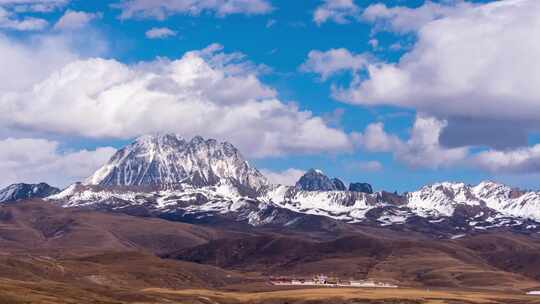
(41, 226)
(415, 262)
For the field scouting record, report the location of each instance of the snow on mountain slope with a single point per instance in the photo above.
(444, 198)
(441, 199)
(22, 191)
(169, 160)
(166, 175)
(486, 205)
(342, 205)
(188, 201)
(509, 201)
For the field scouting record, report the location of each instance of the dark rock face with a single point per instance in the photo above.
(338, 184)
(22, 191)
(392, 198)
(315, 180)
(361, 187)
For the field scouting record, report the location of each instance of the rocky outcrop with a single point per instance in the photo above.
(315, 180)
(361, 187)
(338, 184)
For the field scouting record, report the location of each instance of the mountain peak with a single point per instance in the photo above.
(23, 191)
(361, 187)
(315, 180)
(490, 184)
(313, 171)
(167, 160)
(199, 140)
(159, 137)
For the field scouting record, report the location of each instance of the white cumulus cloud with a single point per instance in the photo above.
(367, 166)
(39, 6)
(19, 61)
(34, 160)
(476, 62)
(333, 61)
(159, 33)
(287, 177)
(339, 11)
(404, 19)
(202, 93)
(10, 21)
(161, 9)
(521, 160)
(472, 67)
(421, 150)
(73, 20)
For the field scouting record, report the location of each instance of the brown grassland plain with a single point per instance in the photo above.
(16, 292)
(349, 295)
(51, 255)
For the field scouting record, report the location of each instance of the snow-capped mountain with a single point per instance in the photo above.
(315, 180)
(463, 207)
(188, 203)
(166, 161)
(23, 191)
(201, 179)
(444, 198)
(342, 205)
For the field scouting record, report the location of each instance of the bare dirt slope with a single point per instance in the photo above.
(485, 261)
(38, 226)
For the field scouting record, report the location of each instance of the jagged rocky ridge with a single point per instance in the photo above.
(201, 180)
(361, 187)
(23, 191)
(167, 161)
(315, 180)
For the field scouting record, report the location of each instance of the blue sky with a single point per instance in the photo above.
(397, 69)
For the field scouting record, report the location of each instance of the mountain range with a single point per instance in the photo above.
(207, 181)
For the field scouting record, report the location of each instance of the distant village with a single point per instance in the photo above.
(327, 281)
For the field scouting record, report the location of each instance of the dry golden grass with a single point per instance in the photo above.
(13, 292)
(350, 295)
